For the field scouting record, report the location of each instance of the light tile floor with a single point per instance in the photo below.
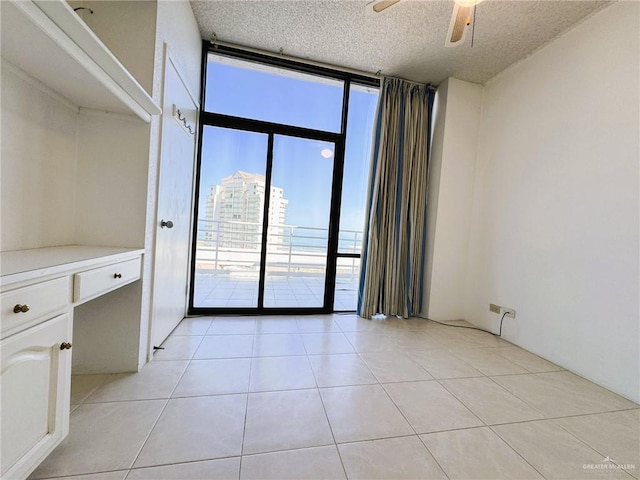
(336, 396)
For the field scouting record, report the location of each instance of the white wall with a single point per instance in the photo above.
(438, 118)
(457, 113)
(556, 201)
(38, 164)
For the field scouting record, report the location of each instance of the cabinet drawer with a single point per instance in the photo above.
(98, 281)
(22, 307)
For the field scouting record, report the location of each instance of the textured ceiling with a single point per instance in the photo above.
(406, 40)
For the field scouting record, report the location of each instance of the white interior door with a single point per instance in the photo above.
(175, 193)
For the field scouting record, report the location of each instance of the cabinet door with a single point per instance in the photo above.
(35, 385)
(175, 193)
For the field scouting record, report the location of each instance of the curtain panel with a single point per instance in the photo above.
(391, 279)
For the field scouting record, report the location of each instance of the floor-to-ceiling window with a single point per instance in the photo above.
(283, 169)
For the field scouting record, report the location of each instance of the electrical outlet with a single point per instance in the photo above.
(494, 308)
(509, 312)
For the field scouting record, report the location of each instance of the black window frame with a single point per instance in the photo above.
(210, 119)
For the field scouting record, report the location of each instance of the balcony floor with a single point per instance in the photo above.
(223, 290)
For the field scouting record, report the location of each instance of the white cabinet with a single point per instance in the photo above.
(35, 385)
(35, 342)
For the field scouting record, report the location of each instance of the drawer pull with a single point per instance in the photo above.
(117, 275)
(65, 346)
(21, 308)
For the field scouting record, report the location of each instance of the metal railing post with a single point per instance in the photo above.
(290, 248)
(217, 237)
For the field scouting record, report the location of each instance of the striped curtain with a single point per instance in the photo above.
(394, 236)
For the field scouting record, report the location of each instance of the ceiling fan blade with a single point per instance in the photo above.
(460, 20)
(378, 6)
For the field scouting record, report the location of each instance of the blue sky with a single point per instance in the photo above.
(298, 165)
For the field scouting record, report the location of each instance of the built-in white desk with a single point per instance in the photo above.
(39, 292)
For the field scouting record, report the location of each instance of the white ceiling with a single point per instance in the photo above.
(406, 40)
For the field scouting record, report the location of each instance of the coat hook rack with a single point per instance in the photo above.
(83, 8)
(182, 121)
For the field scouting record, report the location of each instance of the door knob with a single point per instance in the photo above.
(167, 223)
(65, 346)
(21, 308)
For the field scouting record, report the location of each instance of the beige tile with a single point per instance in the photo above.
(181, 347)
(230, 326)
(414, 323)
(84, 385)
(615, 435)
(489, 363)
(215, 377)
(391, 458)
(394, 367)
(193, 326)
(554, 452)
(324, 343)
(484, 339)
(102, 437)
(340, 370)
(353, 323)
(266, 325)
(414, 340)
(117, 475)
(363, 413)
(447, 324)
(443, 364)
(196, 428)
(527, 360)
(155, 380)
(429, 407)
(453, 341)
(281, 373)
(311, 324)
(277, 345)
(477, 453)
(225, 346)
(560, 394)
(223, 469)
(285, 420)
(365, 342)
(492, 403)
(319, 463)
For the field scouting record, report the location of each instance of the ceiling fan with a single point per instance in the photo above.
(461, 18)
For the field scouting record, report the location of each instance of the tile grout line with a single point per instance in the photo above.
(162, 411)
(326, 415)
(246, 410)
(513, 449)
(435, 459)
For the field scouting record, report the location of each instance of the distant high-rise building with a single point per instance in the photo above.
(236, 210)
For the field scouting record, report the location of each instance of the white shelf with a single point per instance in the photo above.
(48, 41)
(24, 265)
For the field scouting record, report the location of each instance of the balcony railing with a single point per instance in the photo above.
(235, 247)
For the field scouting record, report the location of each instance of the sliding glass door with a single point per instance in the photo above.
(298, 229)
(229, 235)
(244, 258)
